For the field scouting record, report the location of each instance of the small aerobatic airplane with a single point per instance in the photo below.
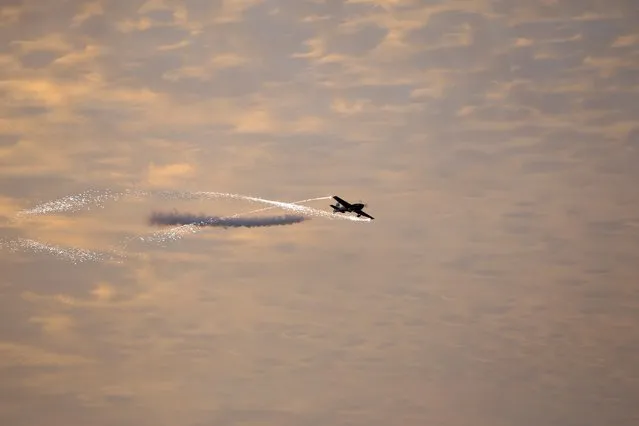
(344, 206)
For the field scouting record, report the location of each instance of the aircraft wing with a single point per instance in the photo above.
(365, 214)
(341, 201)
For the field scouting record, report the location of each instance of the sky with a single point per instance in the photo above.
(496, 143)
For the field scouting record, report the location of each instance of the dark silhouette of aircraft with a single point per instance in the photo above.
(343, 206)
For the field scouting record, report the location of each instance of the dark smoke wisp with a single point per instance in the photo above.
(176, 219)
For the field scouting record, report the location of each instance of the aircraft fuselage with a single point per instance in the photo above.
(343, 206)
(352, 208)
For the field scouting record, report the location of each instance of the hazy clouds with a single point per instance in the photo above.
(496, 143)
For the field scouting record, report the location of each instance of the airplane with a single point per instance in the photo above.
(344, 206)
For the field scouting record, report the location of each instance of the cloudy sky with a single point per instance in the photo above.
(496, 142)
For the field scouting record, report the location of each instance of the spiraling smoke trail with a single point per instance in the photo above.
(274, 207)
(73, 254)
(89, 198)
(286, 206)
(225, 222)
(76, 202)
(180, 231)
(92, 197)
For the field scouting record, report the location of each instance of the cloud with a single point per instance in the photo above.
(55, 324)
(104, 291)
(51, 42)
(169, 174)
(627, 41)
(86, 11)
(18, 355)
(9, 15)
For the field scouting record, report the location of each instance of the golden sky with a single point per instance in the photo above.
(497, 142)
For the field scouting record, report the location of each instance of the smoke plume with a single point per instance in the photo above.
(177, 219)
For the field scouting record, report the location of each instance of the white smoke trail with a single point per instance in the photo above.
(73, 203)
(230, 222)
(172, 234)
(179, 232)
(94, 197)
(73, 254)
(286, 206)
(274, 207)
(89, 198)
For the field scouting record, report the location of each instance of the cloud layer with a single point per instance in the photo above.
(496, 143)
